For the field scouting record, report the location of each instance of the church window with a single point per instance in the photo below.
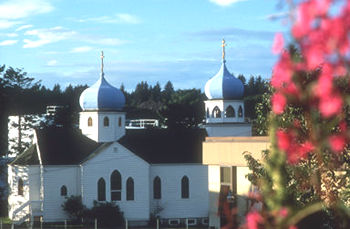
(216, 112)
(89, 121)
(116, 186)
(185, 188)
(63, 190)
(240, 112)
(120, 121)
(208, 113)
(130, 189)
(157, 188)
(230, 112)
(225, 175)
(20, 187)
(106, 121)
(101, 190)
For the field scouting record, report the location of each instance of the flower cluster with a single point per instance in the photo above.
(323, 43)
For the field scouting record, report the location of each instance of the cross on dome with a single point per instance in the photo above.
(223, 49)
(102, 56)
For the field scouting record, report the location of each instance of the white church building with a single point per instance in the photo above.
(104, 162)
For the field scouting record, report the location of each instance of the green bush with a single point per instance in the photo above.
(107, 214)
(75, 208)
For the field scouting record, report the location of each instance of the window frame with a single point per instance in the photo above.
(157, 188)
(185, 187)
(130, 189)
(101, 189)
(64, 190)
(116, 186)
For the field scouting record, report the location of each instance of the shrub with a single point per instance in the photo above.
(74, 207)
(107, 214)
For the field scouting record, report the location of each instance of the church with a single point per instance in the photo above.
(104, 162)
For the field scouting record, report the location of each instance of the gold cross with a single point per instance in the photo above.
(223, 49)
(102, 56)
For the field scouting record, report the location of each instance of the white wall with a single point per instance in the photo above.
(117, 157)
(222, 105)
(171, 202)
(98, 132)
(20, 205)
(54, 177)
(229, 129)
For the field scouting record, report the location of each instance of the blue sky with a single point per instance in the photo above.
(59, 41)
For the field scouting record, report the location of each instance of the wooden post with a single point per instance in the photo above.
(157, 223)
(0, 223)
(12, 226)
(65, 224)
(126, 224)
(95, 223)
(186, 223)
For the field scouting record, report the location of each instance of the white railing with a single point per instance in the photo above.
(141, 123)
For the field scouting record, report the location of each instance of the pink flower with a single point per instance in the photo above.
(279, 102)
(325, 82)
(283, 212)
(282, 71)
(337, 143)
(283, 140)
(253, 220)
(330, 105)
(278, 43)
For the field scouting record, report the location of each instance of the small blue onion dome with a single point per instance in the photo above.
(224, 85)
(102, 96)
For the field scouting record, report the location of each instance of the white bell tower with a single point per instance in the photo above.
(102, 118)
(225, 107)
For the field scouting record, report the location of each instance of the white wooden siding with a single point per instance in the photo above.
(117, 157)
(54, 177)
(19, 205)
(173, 205)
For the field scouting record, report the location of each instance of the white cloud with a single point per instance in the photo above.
(17, 9)
(5, 24)
(105, 41)
(8, 42)
(81, 49)
(225, 2)
(278, 15)
(11, 34)
(47, 36)
(51, 63)
(24, 27)
(116, 19)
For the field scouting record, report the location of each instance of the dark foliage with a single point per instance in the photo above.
(75, 208)
(108, 214)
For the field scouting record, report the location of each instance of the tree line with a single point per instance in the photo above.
(182, 108)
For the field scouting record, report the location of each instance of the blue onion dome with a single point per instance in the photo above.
(102, 96)
(224, 85)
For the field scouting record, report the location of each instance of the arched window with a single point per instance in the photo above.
(89, 121)
(230, 112)
(106, 121)
(185, 188)
(20, 187)
(120, 121)
(240, 112)
(208, 114)
(216, 112)
(101, 190)
(116, 186)
(130, 189)
(157, 188)
(63, 190)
